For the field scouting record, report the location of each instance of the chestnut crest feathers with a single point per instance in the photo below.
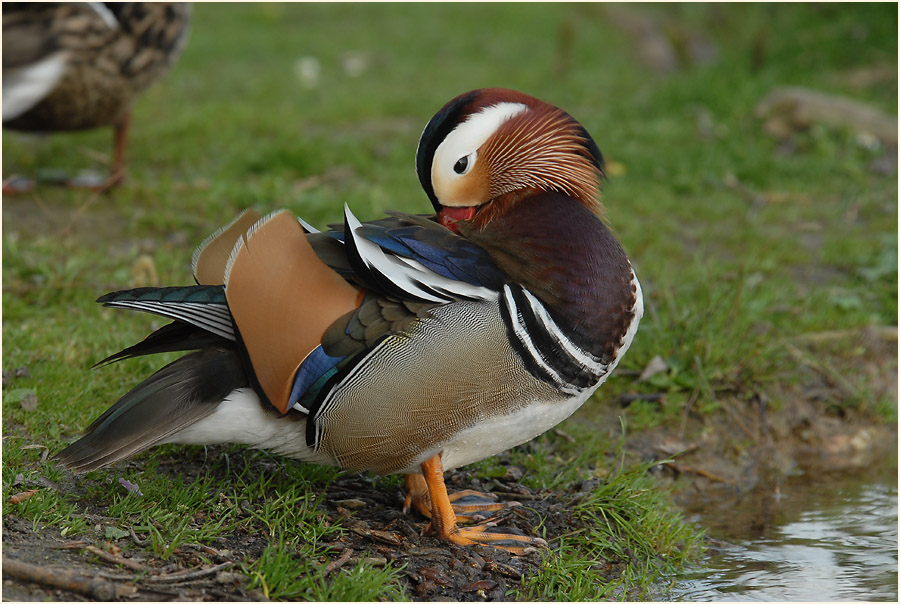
(487, 143)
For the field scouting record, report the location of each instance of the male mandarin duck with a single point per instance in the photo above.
(79, 65)
(411, 344)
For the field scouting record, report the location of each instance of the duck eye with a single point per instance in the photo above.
(464, 163)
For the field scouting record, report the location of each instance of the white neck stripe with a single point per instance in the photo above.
(468, 137)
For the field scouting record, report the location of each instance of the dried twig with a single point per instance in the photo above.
(336, 564)
(71, 545)
(105, 574)
(135, 537)
(115, 559)
(564, 435)
(189, 576)
(700, 472)
(99, 589)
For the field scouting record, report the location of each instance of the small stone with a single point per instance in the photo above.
(513, 473)
(351, 504)
(226, 577)
(359, 525)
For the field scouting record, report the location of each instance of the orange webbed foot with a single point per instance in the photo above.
(469, 506)
(428, 494)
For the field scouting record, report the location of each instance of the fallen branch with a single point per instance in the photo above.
(98, 589)
(188, 576)
(336, 564)
(115, 559)
(71, 545)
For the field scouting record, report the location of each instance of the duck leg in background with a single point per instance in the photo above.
(85, 179)
(91, 180)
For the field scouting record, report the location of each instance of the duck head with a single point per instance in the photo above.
(488, 148)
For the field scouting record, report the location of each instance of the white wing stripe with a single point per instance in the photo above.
(211, 317)
(585, 358)
(409, 275)
(521, 333)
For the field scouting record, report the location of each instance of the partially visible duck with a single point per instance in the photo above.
(411, 344)
(80, 65)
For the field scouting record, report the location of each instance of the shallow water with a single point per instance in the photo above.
(822, 541)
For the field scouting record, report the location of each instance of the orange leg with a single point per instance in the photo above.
(468, 505)
(443, 518)
(117, 170)
(15, 184)
(121, 142)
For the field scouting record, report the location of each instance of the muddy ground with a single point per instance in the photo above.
(377, 530)
(726, 466)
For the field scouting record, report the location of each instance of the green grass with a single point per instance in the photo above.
(286, 573)
(628, 541)
(742, 248)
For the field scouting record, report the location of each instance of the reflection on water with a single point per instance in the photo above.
(838, 542)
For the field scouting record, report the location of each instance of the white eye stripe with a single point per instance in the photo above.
(468, 136)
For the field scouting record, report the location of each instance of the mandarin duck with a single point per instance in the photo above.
(411, 344)
(79, 65)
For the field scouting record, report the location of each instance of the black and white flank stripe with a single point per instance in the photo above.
(548, 353)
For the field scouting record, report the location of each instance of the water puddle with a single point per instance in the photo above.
(813, 541)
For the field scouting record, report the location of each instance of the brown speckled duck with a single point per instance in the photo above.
(411, 344)
(79, 65)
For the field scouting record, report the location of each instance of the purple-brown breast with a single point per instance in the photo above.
(565, 255)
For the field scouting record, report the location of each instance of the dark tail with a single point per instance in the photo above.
(175, 397)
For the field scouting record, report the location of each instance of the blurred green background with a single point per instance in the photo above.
(740, 238)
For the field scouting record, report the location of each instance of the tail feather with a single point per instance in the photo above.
(172, 337)
(202, 305)
(175, 397)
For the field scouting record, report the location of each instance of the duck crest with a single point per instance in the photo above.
(545, 149)
(560, 251)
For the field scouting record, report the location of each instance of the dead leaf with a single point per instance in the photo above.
(656, 365)
(130, 486)
(143, 271)
(20, 497)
